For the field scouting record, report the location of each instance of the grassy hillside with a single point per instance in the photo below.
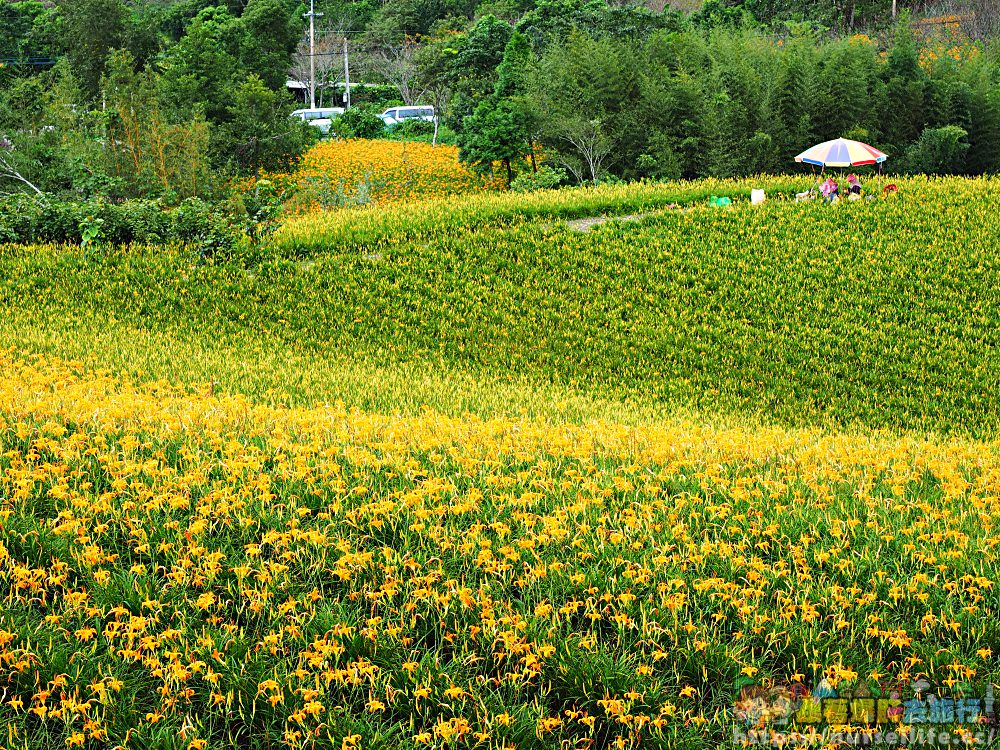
(880, 314)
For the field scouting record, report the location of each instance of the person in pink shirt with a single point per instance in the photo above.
(830, 189)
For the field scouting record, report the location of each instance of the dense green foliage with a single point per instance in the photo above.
(736, 103)
(546, 19)
(977, 17)
(208, 228)
(880, 314)
(169, 99)
(148, 99)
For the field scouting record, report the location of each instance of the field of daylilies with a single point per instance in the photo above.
(339, 173)
(881, 314)
(460, 474)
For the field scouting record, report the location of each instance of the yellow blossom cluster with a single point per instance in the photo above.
(197, 569)
(348, 172)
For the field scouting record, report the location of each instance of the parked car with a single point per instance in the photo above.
(320, 118)
(397, 115)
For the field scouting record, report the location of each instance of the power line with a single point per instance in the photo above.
(321, 54)
(28, 60)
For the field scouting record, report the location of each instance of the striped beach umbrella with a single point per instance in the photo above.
(842, 153)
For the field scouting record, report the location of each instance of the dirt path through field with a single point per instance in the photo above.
(585, 225)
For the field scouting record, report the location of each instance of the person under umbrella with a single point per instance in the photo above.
(854, 186)
(830, 189)
(842, 153)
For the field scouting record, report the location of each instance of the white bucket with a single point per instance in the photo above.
(757, 197)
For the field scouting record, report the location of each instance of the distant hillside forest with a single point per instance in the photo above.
(173, 99)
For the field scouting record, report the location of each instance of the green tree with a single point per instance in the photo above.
(743, 78)
(848, 83)
(473, 66)
(984, 112)
(198, 72)
(22, 105)
(673, 105)
(360, 121)
(434, 69)
(55, 140)
(212, 72)
(90, 30)
(583, 93)
(845, 15)
(496, 132)
(270, 31)
(28, 29)
(938, 151)
(795, 107)
(501, 128)
(514, 69)
(552, 21)
(147, 154)
(411, 18)
(259, 134)
(903, 98)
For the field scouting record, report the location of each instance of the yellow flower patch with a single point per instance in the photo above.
(201, 566)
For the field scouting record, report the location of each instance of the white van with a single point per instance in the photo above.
(397, 115)
(319, 118)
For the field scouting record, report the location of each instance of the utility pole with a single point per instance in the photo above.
(312, 15)
(894, 10)
(347, 76)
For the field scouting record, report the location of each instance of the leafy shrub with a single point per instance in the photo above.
(358, 122)
(374, 96)
(134, 221)
(195, 223)
(938, 151)
(60, 222)
(413, 128)
(18, 216)
(208, 226)
(91, 231)
(544, 179)
(262, 207)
